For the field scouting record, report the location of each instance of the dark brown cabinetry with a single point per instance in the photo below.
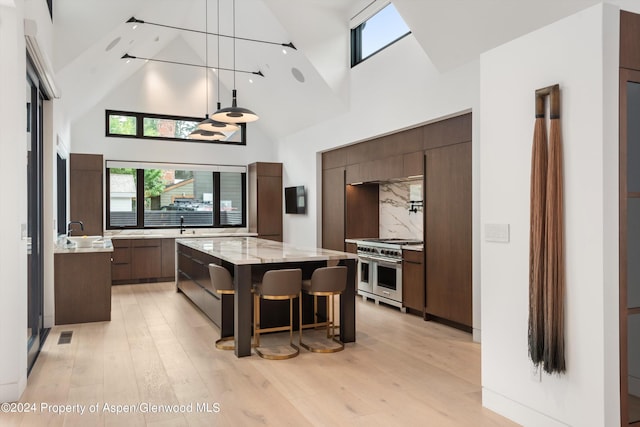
(168, 258)
(349, 211)
(121, 265)
(195, 283)
(85, 191)
(333, 209)
(143, 260)
(413, 285)
(82, 283)
(362, 211)
(448, 233)
(447, 205)
(146, 259)
(265, 200)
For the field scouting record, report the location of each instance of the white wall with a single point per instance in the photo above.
(579, 53)
(165, 89)
(13, 250)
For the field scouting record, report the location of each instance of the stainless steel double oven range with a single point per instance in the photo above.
(380, 269)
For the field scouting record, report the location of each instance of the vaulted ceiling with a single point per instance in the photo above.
(92, 35)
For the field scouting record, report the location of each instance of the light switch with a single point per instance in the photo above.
(496, 233)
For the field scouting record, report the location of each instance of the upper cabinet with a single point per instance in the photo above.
(85, 191)
(399, 155)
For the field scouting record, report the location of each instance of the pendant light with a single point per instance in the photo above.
(210, 124)
(205, 133)
(234, 114)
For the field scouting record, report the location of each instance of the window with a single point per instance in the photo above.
(125, 124)
(152, 195)
(376, 33)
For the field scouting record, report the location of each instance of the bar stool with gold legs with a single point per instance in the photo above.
(276, 285)
(222, 283)
(325, 282)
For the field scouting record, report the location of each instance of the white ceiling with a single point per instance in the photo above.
(451, 33)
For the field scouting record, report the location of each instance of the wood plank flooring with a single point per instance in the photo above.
(159, 350)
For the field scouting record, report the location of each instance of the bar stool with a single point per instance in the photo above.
(327, 282)
(222, 283)
(276, 285)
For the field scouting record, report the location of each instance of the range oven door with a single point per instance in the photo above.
(388, 279)
(366, 273)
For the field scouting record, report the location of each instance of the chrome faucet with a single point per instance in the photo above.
(74, 222)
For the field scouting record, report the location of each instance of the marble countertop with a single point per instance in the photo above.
(252, 250)
(82, 250)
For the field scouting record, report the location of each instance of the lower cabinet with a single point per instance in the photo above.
(413, 285)
(143, 260)
(146, 259)
(194, 281)
(82, 287)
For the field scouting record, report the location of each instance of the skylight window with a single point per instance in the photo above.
(376, 33)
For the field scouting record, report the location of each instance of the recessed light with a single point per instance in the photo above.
(284, 51)
(113, 43)
(297, 74)
(250, 80)
(135, 26)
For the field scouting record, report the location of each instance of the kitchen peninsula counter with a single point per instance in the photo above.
(247, 258)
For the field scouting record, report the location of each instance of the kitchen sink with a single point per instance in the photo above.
(83, 241)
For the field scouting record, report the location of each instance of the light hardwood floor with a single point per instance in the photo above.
(159, 349)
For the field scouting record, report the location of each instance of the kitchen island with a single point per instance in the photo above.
(248, 258)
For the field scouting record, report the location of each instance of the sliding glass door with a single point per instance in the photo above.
(34, 229)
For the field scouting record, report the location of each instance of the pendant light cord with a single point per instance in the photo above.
(234, 43)
(206, 54)
(218, 30)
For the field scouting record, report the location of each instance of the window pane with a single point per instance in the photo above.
(231, 199)
(122, 197)
(171, 194)
(167, 128)
(122, 125)
(382, 29)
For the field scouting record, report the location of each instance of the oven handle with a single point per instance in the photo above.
(388, 262)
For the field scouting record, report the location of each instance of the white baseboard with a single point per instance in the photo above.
(517, 412)
(11, 392)
(476, 335)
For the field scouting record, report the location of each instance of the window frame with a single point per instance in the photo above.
(140, 127)
(356, 39)
(140, 196)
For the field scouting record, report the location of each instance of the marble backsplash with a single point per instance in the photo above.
(395, 218)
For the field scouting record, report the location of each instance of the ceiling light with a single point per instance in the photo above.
(234, 114)
(205, 135)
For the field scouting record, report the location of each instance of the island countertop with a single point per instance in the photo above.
(252, 250)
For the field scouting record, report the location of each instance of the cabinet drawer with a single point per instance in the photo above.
(146, 243)
(412, 256)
